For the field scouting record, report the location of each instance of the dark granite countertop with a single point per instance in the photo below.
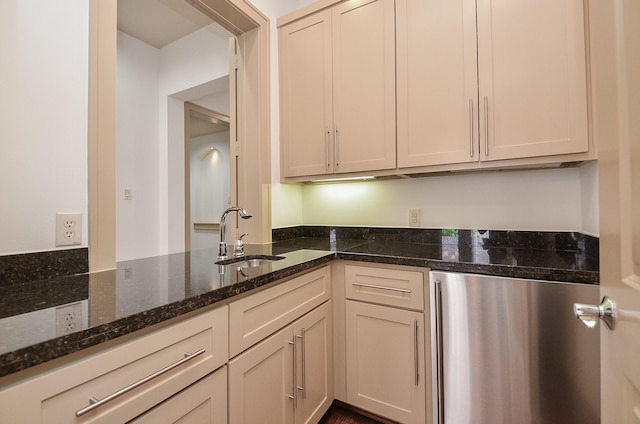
(148, 291)
(552, 256)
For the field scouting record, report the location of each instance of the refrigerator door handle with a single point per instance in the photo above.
(439, 350)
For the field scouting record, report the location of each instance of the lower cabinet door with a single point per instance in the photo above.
(385, 351)
(288, 377)
(261, 382)
(314, 362)
(204, 402)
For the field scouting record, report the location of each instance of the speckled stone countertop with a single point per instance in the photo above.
(553, 256)
(145, 292)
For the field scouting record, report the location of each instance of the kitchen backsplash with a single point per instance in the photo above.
(462, 239)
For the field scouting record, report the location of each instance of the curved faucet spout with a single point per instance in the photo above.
(222, 246)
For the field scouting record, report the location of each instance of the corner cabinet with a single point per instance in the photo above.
(337, 82)
(512, 86)
(387, 369)
(286, 377)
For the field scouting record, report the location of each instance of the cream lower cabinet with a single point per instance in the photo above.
(129, 380)
(387, 372)
(286, 378)
(203, 402)
(385, 361)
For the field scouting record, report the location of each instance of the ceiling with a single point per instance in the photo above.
(159, 22)
(200, 124)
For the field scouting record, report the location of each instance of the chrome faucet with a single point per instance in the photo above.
(222, 246)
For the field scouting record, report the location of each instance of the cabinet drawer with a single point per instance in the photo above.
(205, 402)
(161, 355)
(257, 316)
(391, 287)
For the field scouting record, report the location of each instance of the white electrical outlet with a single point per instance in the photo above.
(68, 318)
(414, 217)
(68, 229)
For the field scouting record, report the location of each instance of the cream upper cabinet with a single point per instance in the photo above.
(523, 96)
(306, 96)
(437, 82)
(532, 73)
(364, 106)
(337, 79)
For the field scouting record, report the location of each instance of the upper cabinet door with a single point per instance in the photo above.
(533, 98)
(306, 96)
(364, 85)
(437, 82)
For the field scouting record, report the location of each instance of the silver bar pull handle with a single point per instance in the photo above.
(589, 314)
(335, 145)
(486, 126)
(416, 352)
(97, 403)
(326, 146)
(439, 351)
(304, 364)
(294, 397)
(471, 149)
(373, 286)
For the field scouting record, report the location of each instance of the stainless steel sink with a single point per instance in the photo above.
(250, 261)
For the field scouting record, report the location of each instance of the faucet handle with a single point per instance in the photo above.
(238, 246)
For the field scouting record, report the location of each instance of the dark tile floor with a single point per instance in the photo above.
(339, 415)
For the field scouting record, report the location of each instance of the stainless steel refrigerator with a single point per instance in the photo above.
(511, 351)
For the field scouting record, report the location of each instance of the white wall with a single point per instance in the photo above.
(541, 200)
(189, 62)
(210, 185)
(43, 120)
(589, 197)
(151, 95)
(138, 155)
(44, 136)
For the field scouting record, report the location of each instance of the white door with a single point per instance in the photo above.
(615, 48)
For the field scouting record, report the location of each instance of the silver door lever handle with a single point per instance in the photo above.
(589, 314)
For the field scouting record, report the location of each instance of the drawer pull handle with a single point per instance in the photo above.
(95, 403)
(372, 286)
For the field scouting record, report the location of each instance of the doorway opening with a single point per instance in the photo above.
(208, 176)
